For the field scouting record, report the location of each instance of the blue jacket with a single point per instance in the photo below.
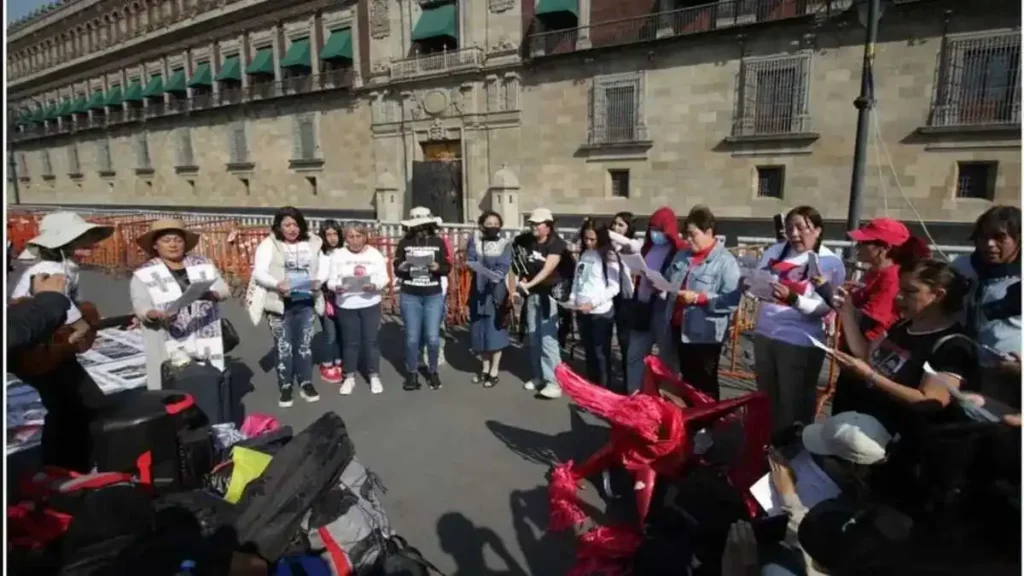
(992, 309)
(718, 276)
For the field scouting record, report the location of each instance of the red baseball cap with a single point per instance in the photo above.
(886, 230)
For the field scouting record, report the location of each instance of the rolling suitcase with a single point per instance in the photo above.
(208, 386)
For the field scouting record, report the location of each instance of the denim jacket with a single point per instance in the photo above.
(718, 276)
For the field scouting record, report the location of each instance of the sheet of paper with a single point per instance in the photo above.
(419, 260)
(812, 486)
(819, 344)
(634, 262)
(300, 286)
(971, 410)
(483, 271)
(194, 291)
(661, 283)
(355, 283)
(759, 285)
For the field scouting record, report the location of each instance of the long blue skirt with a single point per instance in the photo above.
(486, 336)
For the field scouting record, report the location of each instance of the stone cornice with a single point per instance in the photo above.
(223, 22)
(28, 26)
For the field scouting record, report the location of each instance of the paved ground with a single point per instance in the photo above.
(464, 466)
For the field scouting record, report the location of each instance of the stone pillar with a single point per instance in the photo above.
(188, 72)
(583, 38)
(504, 197)
(387, 201)
(316, 35)
(277, 50)
(243, 58)
(215, 64)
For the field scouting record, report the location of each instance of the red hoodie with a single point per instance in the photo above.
(665, 219)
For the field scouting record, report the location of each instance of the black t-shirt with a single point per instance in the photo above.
(900, 356)
(536, 253)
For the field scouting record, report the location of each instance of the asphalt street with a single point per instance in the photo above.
(464, 467)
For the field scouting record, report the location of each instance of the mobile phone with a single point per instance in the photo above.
(770, 529)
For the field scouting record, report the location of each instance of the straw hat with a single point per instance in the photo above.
(156, 228)
(62, 228)
(420, 216)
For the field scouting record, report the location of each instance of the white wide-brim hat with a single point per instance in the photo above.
(60, 229)
(420, 216)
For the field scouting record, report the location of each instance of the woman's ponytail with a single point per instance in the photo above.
(911, 252)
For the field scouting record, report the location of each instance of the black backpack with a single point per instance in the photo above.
(403, 560)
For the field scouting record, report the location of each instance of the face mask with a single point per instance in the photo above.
(491, 233)
(658, 237)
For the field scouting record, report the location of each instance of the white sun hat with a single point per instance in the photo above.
(60, 229)
(851, 436)
(420, 216)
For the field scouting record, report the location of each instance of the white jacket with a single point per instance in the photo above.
(592, 285)
(343, 263)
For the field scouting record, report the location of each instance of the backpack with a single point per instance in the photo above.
(349, 523)
(400, 559)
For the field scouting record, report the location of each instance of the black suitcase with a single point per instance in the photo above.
(208, 386)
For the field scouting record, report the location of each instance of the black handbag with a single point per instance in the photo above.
(229, 335)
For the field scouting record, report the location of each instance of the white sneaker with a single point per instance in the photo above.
(348, 386)
(530, 385)
(551, 391)
(376, 387)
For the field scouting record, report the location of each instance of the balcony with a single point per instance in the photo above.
(115, 116)
(230, 96)
(683, 22)
(438, 63)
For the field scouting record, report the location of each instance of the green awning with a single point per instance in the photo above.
(437, 22)
(230, 69)
(51, 111)
(80, 105)
(65, 107)
(134, 91)
(201, 76)
(40, 114)
(557, 6)
(176, 83)
(339, 45)
(154, 87)
(262, 62)
(114, 97)
(297, 55)
(97, 101)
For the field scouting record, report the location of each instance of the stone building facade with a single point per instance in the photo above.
(583, 106)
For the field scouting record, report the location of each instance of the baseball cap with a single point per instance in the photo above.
(891, 232)
(851, 436)
(541, 215)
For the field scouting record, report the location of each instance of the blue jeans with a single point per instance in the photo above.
(330, 346)
(542, 335)
(293, 339)
(640, 345)
(421, 316)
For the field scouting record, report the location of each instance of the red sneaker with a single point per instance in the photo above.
(330, 374)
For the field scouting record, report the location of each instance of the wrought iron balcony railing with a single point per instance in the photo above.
(444, 62)
(979, 83)
(685, 21)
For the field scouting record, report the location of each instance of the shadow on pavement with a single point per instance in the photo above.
(546, 552)
(467, 543)
(579, 442)
(391, 340)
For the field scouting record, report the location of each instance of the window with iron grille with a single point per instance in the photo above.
(976, 180)
(47, 166)
(239, 143)
(305, 145)
(616, 109)
(770, 181)
(979, 81)
(103, 156)
(619, 183)
(773, 96)
(185, 154)
(74, 166)
(142, 151)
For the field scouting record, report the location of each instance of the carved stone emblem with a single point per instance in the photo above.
(437, 131)
(380, 22)
(501, 5)
(434, 102)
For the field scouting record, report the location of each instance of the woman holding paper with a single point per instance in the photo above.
(918, 360)
(660, 245)
(421, 261)
(621, 233)
(331, 240)
(709, 292)
(594, 286)
(287, 266)
(357, 272)
(489, 256)
(157, 288)
(787, 366)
